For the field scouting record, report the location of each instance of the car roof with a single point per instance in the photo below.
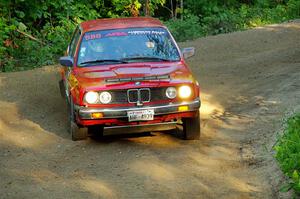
(118, 23)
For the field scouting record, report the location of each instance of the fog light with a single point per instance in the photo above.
(97, 115)
(183, 108)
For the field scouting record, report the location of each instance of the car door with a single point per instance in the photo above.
(71, 50)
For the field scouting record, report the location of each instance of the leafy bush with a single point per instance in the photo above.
(5, 41)
(293, 8)
(188, 29)
(288, 152)
(221, 22)
(26, 53)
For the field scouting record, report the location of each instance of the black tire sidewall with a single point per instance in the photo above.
(71, 115)
(191, 127)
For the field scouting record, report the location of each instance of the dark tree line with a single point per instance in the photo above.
(27, 25)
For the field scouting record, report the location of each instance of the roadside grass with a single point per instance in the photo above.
(288, 154)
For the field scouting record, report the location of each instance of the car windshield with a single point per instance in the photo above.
(126, 45)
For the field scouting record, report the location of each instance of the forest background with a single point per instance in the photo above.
(34, 33)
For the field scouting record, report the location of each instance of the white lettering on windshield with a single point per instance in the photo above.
(92, 36)
(146, 32)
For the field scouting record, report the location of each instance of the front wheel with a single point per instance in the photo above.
(77, 132)
(191, 127)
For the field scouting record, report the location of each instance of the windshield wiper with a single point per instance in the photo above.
(146, 58)
(103, 61)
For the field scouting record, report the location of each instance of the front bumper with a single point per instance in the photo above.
(85, 113)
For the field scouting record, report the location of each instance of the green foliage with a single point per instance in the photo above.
(221, 22)
(188, 29)
(293, 8)
(288, 153)
(206, 17)
(51, 22)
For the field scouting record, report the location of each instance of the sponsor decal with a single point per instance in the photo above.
(146, 32)
(92, 36)
(72, 81)
(116, 34)
(119, 34)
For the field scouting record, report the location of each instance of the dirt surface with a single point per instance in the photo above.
(250, 81)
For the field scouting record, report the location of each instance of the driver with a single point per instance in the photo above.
(92, 50)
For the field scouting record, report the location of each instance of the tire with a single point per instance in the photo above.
(191, 127)
(62, 89)
(77, 132)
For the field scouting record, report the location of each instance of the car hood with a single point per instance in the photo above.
(124, 75)
(128, 71)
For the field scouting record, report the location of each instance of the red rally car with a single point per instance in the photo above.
(128, 75)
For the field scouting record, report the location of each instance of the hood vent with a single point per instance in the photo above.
(135, 79)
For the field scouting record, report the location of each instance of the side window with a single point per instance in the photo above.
(74, 42)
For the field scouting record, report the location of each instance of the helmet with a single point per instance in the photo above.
(96, 45)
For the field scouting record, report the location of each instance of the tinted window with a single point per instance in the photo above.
(124, 44)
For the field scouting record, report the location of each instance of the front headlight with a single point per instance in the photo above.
(91, 97)
(105, 97)
(171, 92)
(184, 92)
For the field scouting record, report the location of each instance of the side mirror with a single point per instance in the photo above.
(188, 52)
(66, 61)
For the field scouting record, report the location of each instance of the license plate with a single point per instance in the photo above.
(142, 115)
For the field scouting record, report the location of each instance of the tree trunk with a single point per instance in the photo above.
(181, 6)
(147, 8)
(172, 10)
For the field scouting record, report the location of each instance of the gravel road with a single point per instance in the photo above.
(250, 81)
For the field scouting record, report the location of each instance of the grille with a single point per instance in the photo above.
(119, 97)
(145, 95)
(138, 95)
(158, 94)
(131, 95)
